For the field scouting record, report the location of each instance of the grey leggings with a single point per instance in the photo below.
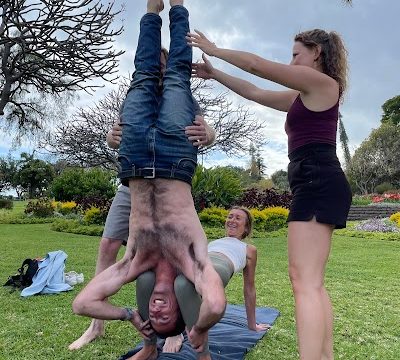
(188, 299)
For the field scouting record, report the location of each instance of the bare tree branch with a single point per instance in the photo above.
(54, 46)
(81, 140)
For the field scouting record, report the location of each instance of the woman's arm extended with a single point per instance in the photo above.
(249, 290)
(296, 77)
(279, 100)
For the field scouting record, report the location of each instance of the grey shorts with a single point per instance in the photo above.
(117, 223)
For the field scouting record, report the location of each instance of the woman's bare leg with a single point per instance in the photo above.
(309, 246)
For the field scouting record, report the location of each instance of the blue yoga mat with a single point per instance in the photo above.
(230, 339)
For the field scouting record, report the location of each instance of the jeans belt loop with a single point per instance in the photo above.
(152, 175)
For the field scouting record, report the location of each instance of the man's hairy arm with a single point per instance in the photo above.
(209, 286)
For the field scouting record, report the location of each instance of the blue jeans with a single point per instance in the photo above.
(154, 143)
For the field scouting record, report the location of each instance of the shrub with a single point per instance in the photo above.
(387, 236)
(78, 183)
(361, 200)
(39, 208)
(384, 187)
(219, 186)
(275, 222)
(213, 216)
(23, 219)
(395, 218)
(270, 219)
(253, 198)
(90, 201)
(277, 210)
(6, 204)
(259, 219)
(213, 233)
(76, 227)
(65, 208)
(276, 218)
(68, 207)
(94, 216)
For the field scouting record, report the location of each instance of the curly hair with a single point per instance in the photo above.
(333, 57)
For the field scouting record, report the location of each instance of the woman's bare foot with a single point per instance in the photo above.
(95, 330)
(155, 6)
(146, 353)
(175, 2)
(173, 344)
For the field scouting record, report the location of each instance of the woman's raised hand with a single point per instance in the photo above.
(203, 70)
(200, 41)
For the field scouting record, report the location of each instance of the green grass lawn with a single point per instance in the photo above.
(362, 278)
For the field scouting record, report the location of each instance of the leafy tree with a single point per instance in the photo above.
(78, 183)
(362, 169)
(377, 159)
(217, 186)
(386, 142)
(81, 140)
(391, 111)
(280, 180)
(242, 174)
(8, 168)
(33, 176)
(257, 167)
(50, 47)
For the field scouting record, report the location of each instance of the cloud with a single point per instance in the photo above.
(267, 28)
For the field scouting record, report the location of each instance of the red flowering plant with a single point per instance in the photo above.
(387, 198)
(377, 199)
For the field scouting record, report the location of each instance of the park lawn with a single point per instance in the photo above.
(362, 278)
(18, 208)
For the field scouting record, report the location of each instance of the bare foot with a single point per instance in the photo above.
(95, 330)
(173, 344)
(155, 6)
(175, 2)
(206, 356)
(146, 353)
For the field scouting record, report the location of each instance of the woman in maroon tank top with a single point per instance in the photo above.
(316, 81)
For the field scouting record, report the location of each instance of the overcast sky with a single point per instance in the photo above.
(267, 27)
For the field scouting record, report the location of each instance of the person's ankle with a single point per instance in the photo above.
(175, 2)
(155, 6)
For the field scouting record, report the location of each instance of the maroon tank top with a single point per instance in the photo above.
(304, 126)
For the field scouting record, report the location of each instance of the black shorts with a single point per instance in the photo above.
(318, 185)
